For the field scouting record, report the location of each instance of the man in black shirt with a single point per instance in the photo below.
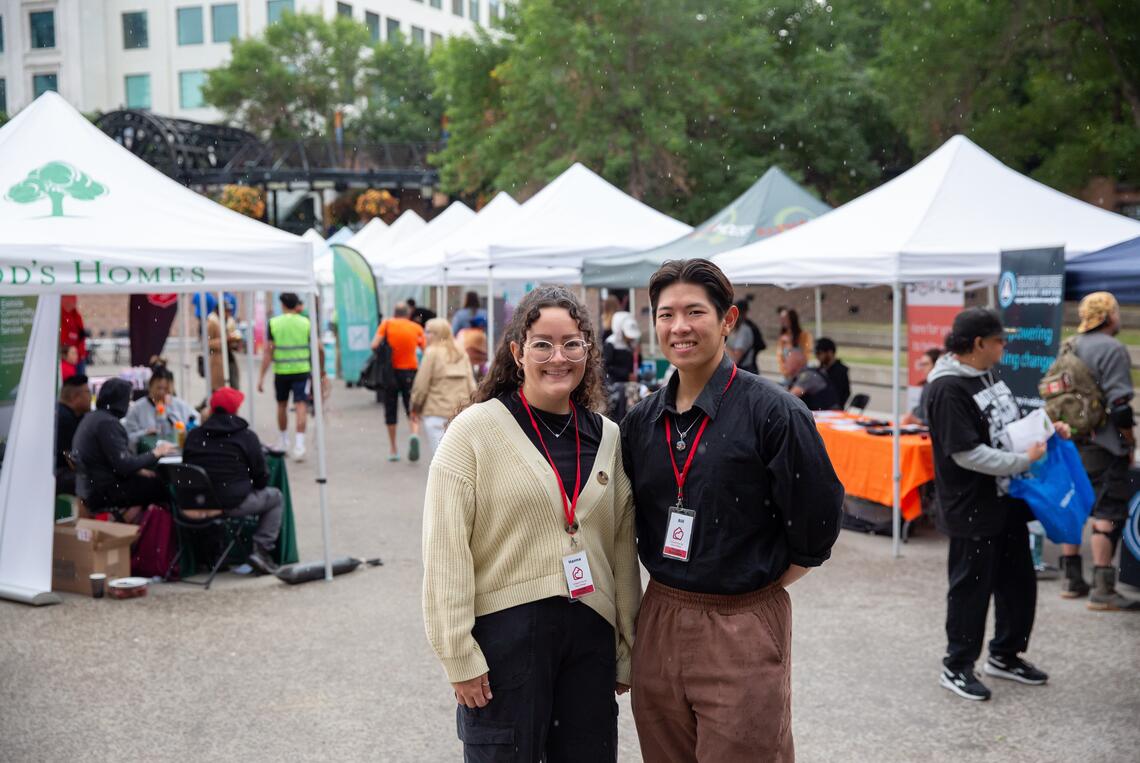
(74, 403)
(809, 384)
(735, 500)
(834, 369)
(989, 553)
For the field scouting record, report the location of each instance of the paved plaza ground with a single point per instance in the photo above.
(254, 670)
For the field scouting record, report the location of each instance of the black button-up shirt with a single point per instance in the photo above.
(761, 484)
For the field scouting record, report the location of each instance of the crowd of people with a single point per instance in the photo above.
(547, 488)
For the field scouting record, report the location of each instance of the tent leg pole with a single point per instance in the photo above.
(250, 361)
(184, 302)
(224, 329)
(896, 476)
(490, 317)
(818, 312)
(319, 420)
(204, 319)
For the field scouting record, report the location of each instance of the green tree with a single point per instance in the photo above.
(289, 82)
(54, 181)
(1052, 89)
(681, 103)
(400, 105)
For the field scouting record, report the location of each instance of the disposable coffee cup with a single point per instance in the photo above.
(98, 581)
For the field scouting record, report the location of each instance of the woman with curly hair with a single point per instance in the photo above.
(531, 583)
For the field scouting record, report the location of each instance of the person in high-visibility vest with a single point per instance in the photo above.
(288, 352)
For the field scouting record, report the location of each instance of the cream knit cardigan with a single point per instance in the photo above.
(494, 535)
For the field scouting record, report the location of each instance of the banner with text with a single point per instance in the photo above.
(930, 310)
(1031, 293)
(357, 310)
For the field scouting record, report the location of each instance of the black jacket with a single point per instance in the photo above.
(103, 454)
(839, 380)
(66, 423)
(231, 454)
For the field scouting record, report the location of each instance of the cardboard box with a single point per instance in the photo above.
(88, 545)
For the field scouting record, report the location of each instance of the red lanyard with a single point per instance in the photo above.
(569, 506)
(683, 474)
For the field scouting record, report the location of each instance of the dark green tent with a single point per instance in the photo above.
(773, 204)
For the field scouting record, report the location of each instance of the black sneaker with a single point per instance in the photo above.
(964, 683)
(1014, 669)
(262, 561)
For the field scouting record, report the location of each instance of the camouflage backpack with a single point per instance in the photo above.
(1071, 394)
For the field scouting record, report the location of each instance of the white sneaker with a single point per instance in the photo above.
(282, 444)
(299, 453)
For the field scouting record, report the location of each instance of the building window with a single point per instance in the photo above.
(41, 83)
(436, 39)
(43, 29)
(224, 20)
(344, 9)
(417, 36)
(190, 89)
(3, 96)
(190, 26)
(457, 7)
(372, 21)
(138, 91)
(134, 30)
(473, 13)
(494, 13)
(277, 8)
(1, 39)
(394, 30)
(437, 4)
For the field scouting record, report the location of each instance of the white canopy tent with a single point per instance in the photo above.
(949, 217)
(577, 215)
(80, 214)
(411, 248)
(373, 240)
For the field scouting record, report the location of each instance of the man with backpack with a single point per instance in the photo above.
(745, 342)
(1091, 383)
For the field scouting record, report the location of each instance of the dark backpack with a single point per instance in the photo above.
(758, 343)
(1071, 393)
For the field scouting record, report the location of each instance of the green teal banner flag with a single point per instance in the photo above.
(357, 310)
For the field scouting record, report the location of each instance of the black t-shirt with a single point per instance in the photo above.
(964, 413)
(618, 362)
(562, 448)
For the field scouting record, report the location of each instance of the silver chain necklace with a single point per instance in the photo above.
(564, 427)
(682, 435)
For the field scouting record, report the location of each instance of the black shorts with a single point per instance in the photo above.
(392, 395)
(1108, 473)
(298, 384)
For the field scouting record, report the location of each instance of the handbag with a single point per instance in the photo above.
(378, 373)
(1058, 492)
(156, 547)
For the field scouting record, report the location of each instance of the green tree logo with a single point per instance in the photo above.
(53, 181)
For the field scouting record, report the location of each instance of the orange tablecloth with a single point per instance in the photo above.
(863, 463)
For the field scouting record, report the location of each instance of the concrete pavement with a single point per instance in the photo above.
(255, 670)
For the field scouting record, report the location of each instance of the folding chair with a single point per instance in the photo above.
(194, 507)
(859, 402)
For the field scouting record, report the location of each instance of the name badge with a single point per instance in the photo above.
(679, 533)
(579, 581)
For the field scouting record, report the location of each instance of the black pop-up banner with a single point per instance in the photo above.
(151, 318)
(1030, 294)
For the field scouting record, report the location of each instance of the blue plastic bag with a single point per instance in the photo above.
(1058, 491)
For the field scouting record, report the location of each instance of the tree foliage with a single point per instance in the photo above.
(1051, 88)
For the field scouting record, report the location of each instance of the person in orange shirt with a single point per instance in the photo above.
(403, 336)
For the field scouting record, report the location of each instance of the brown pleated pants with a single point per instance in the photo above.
(712, 676)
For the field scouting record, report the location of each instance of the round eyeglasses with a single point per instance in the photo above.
(542, 351)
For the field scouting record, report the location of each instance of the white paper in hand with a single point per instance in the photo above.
(1028, 431)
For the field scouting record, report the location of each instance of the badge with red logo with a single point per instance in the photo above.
(579, 581)
(678, 533)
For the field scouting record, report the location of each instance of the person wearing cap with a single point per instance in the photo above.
(989, 555)
(232, 455)
(620, 358)
(1106, 454)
